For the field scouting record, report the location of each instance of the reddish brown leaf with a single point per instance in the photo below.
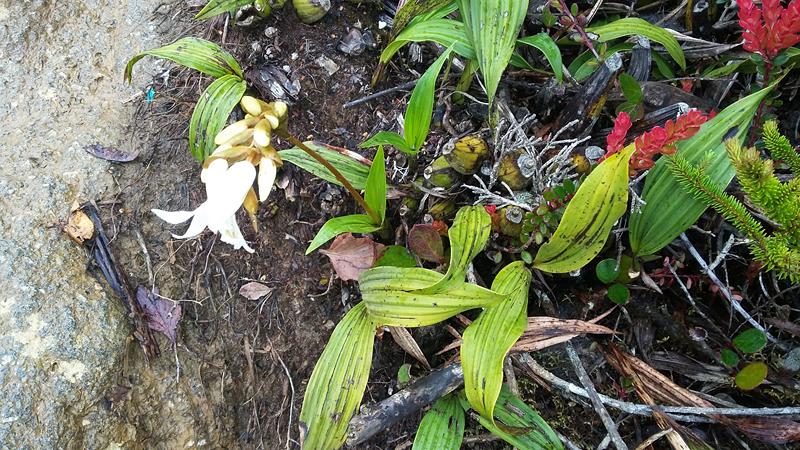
(162, 315)
(351, 256)
(425, 241)
(254, 290)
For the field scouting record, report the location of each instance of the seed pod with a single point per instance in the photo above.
(251, 105)
(440, 174)
(467, 154)
(510, 173)
(261, 133)
(510, 220)
(443, 209)
(310, 11)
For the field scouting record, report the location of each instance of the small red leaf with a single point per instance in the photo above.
(351, 256)
(425, 242)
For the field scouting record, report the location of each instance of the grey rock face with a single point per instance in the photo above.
(60, 334)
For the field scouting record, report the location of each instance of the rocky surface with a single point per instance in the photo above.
(63, 352)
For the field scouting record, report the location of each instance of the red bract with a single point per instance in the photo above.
(616, 139)
(769, 29)
(662, 140)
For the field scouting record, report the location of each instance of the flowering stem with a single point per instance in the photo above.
(356, 195)
(579, 28)
(760, 111)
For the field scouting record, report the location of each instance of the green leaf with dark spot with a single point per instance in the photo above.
(442, 428)
(393, 296)
(468, 236)
(486, 341)
(516, 414)
(338, 381)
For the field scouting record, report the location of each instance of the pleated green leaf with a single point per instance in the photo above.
(584, 228)
(468, 236)
(634, 26)
(492, 28)
(545, 44)
(420, 107)
(194, 53)
(669, 209)
(516, 414)
(354, 171)
(338, 381)
(392, 296)
(375, 194)
(211, 113)
(442, 428)
(487, 340)
(354, 223)
(217, 7)
(445, 32)
(388, 138)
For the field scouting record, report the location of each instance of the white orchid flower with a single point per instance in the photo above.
(226, 188)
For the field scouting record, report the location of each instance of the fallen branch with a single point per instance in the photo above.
(727, 294)
(527, 363)
(386, 413)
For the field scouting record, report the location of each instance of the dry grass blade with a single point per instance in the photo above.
(407, 343)
(652, 386)
(543, 332)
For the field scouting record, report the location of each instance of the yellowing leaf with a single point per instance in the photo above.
(600, 201)
(393, 297)
(490, 337)
(338, 382)
(442, 428)
(468, 236)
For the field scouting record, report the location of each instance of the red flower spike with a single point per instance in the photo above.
(771, 28)
(662, 140)
(616, 139)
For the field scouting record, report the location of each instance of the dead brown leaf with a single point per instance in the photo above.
(653, 386)
(543, 332)
(79, 226)
(254, 290)
(407, 343)
(350, 256)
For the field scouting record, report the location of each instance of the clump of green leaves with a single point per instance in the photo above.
(779, 251)
(217, 101)
(539, 224)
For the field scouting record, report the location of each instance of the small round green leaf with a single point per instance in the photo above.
(396, 256)
(526, 256)
(751, 376)
(729, 357)
(607, 270)
(619, 293)
(750, 341)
